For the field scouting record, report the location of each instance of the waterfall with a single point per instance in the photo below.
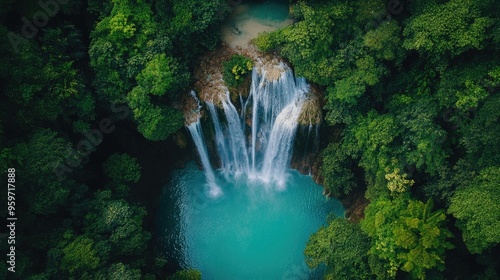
(236, 137)
(199, 141)
(275, 103)
(276, 106)
(278, 151)
(269, 98)
(220, 140)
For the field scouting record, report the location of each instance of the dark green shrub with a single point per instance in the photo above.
(235, 70)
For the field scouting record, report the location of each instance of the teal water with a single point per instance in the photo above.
(252, 18)
(251, 232)
(276, 10)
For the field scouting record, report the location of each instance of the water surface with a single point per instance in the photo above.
(252, 18)
(253, 231)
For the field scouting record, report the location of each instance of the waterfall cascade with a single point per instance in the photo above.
(274, 104)
(199, 141)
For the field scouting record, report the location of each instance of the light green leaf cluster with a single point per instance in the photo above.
(154, 122)
(477, 211)
(160, 76)
(80, 255)
(452, 27)
(397, 182)
(406, 235)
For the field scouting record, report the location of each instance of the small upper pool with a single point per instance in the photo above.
(249, 18)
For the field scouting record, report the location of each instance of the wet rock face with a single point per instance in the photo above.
(209, 84)
(180, 140)
(190, 108)
(310, 164)
(311, 110)
(270, 66)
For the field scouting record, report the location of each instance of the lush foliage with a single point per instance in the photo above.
(138, 54)
(339, 178)
(236, 69)
(124, 52)
(342, 246)
(190, 274)
(406, 235)
(122, 168)
(478, 212)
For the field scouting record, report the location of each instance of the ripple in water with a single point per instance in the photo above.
(251, 232)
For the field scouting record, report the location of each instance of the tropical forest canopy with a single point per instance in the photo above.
(412, 104)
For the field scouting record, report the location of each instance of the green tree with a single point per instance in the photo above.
(369, 12)
(374, 136)
(336, 170)
(422, 138)
(117, 39)
(187, 274)
(119, 223)
(452, 27)
(80, 255)
(406, 235)
(385, 41)
(122, 168)
(478, 212)
(195, 24)
(38, 160)
(342, 247)
(465, 85)
(397, 182)
(266, 41)
(312, 44)
(480, 134)
(162, 76)
(43, 82)
(154, 122)
(236, 69)
(123, 52)
(365, 71)
(120, 271)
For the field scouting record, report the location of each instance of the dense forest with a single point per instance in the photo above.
(412, 108)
